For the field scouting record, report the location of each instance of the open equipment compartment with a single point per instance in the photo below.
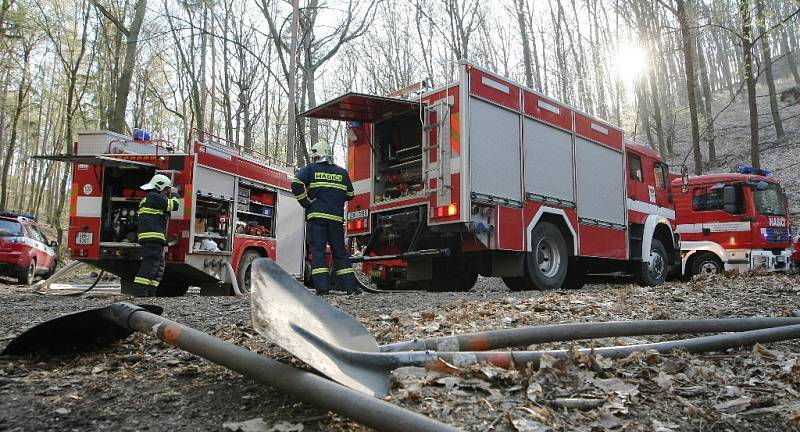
(121, 198)
(212, 225)
(255, 210)
(398, 157)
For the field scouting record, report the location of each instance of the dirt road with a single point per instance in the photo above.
(142, 384)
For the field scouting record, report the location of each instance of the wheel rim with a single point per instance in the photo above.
(657, 265)
(548, 257)
(709, 267)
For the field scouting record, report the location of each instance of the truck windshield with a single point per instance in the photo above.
(770, 201)
(10, 229)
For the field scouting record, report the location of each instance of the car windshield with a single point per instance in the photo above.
(10, 228)
(770, 201)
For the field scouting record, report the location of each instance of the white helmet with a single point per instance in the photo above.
(321, 150)
(159, 182)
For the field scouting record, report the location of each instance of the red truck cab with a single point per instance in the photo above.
(732, 221)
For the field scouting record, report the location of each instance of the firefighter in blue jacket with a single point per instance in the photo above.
(322, 188)
(154, 211)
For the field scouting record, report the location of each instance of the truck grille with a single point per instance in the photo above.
(775, 234)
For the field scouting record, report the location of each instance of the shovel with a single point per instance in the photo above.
(88, 329)
(337, 345)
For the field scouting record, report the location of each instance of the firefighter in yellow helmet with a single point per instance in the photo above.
(154, 211)
(322, 188)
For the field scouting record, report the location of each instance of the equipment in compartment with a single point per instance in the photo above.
(255, 210)
(398, 157)
(212, 225)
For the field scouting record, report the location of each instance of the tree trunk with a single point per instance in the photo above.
(526, 48)
(747, 66)
(688, 47)
(117, 120)
(707, 100)
(789, 55)
(767, 58)
(22, 94)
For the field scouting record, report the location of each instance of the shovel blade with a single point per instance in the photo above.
(279, 303)
(76, 332)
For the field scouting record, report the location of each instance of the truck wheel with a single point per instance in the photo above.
(518, 283)
(243, 272)
(706, 263)
(26, 276)
(126, 286)
(453, 274)
(171, 289)
(576, 275)
(546, 263)
(654, 273)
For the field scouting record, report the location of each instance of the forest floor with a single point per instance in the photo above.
(144, 384)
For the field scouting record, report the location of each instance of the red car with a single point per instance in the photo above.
(24, 250)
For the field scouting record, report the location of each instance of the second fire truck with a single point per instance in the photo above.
(485, 176)
(236, 206)
(732, 221)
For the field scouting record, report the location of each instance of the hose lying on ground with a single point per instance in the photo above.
(524, 336)
(76, 294)
(444, 361)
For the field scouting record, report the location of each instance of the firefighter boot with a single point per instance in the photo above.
(141, 290)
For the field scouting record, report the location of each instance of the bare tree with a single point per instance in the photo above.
(116, 121)
(747, 69)
(766, 57)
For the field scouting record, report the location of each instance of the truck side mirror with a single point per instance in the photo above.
(684, 180)
(729, 203)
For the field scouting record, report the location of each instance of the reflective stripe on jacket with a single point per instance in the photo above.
(322, 188)
(154, 211)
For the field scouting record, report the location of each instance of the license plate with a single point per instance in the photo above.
(357, 214)
(84, 238)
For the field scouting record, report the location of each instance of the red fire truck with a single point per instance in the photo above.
(485, 176)
(732, 221)
(236, 206)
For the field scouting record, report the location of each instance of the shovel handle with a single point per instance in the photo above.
(305, 386)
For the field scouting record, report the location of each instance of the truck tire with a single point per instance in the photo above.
(453, 274)
(26, 276)
(126, 286)
(546, 264)
(171, 289)
(706, 263)
(518, 283)
(243, 272)
(655, 273)
(576, 275)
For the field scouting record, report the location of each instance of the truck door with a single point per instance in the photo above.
(437, 150)
(729, 230)
(637, 188)
(662, 186)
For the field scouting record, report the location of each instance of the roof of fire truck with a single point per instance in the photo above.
(642, 150)
(744, 174)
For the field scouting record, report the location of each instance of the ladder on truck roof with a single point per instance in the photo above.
(197, 136)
